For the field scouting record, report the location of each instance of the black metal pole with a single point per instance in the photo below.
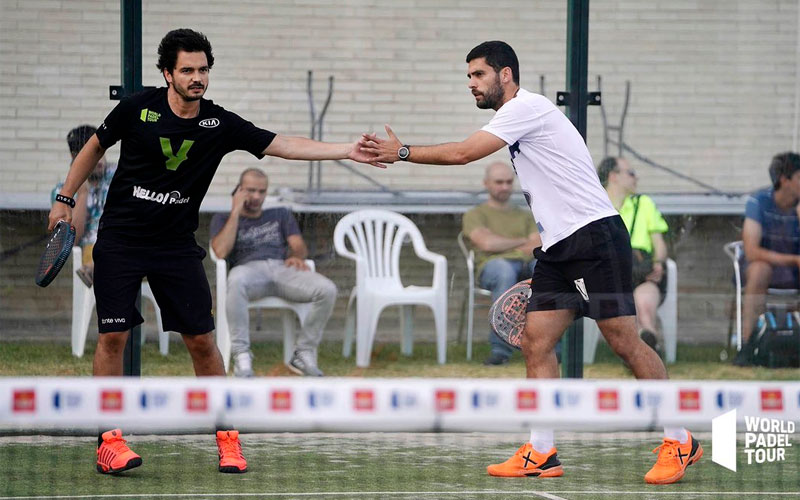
(577, 99)
(131, 69)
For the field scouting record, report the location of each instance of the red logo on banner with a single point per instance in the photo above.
(364, 400)
(526, 400)
(196, 400)
(111, 400)
(771, 400)
(445, 400)
(281, 400)
(689, 400)
(607, 399)
(25, 401)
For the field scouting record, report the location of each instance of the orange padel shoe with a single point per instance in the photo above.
(528, 462)
(230, 452)
(673, 459)
(113, 455)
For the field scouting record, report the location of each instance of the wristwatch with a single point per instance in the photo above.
(403, 152)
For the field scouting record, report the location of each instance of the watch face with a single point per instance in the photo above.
(403, 153)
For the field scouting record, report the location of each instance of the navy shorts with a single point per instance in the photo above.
(588, 272)
(175, 274)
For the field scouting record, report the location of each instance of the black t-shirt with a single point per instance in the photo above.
(167, 163)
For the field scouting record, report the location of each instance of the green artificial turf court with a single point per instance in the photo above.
(376, 465)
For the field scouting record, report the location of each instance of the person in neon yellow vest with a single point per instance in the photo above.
(646, 227)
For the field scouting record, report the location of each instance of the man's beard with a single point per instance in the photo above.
(493, 97)
(187, 97)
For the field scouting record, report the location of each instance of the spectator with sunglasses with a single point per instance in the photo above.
(646, 227)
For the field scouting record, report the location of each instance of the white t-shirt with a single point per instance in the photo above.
(553, 164)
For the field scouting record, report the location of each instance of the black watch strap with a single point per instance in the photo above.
(405, 148)
(66, 200)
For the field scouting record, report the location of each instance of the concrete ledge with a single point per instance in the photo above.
(413, 202)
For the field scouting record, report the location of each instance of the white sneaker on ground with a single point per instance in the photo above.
(243, 364)
(303, 363)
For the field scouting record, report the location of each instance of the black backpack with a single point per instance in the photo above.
(777, 344)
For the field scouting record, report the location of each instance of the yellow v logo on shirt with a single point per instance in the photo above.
(174, 160)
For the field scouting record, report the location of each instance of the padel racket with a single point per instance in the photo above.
(507, 314)
(56, 253)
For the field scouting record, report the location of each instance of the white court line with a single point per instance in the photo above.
(541, 494)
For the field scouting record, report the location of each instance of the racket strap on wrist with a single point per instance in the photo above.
(66, 200)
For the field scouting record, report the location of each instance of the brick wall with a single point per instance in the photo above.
(713, 82)
(705, 285)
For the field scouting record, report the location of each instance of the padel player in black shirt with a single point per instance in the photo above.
(172, 143)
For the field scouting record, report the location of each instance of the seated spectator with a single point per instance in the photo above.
(646, 227)
(89, 200)
(771, 240)
(504, 237)
(266, 254)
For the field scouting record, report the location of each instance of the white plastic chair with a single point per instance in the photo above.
(735, 250)
(83, 303)
(301, 309)
(667, 312)
(468, 304)
(375, 239)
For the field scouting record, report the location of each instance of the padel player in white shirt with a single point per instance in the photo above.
(584, 264)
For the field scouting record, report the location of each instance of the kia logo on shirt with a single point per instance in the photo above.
(209, 122)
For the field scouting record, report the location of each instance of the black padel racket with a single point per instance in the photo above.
(507, 314)
(56, 253)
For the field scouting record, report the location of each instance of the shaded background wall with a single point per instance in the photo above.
(705, 283)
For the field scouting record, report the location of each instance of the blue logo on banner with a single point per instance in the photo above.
(238, 400)
(564, 399)
(402, 399)
(63, 400)
(485, 399)
(729, 399)
(153, 399)
(647, 399)
(320, 399)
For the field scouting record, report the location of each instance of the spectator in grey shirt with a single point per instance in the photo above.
(266, 254)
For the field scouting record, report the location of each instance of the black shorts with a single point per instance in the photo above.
(175, 274)
(588, 272)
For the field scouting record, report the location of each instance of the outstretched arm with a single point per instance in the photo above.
(478, 145)
(301, 148)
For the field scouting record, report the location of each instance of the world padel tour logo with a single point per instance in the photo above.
(766, 440)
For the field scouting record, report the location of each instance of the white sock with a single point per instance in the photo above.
(542, 440)
(677, 433)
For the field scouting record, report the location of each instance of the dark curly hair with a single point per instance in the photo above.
(182, 39)
(783, 165)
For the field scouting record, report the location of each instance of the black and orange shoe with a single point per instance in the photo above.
(113, 455)
(230, 452)
(673, 459)
(528, 462)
